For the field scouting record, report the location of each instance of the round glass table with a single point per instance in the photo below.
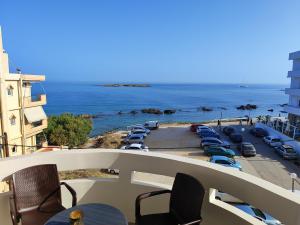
(94, 214)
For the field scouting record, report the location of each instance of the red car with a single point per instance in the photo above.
(194, 127)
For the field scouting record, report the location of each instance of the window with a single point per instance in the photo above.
(12, 120)
(14, 149)
(10, 90)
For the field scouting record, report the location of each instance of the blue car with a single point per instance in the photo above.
(204, 134)
(257, 213)
(225, 161)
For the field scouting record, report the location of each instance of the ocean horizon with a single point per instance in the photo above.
(112, 105)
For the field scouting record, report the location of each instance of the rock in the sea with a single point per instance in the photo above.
(282, 105)
(270, 110)
(246, 107)
(152, 111)
(133, 112)
(169, 111)
(205, 109)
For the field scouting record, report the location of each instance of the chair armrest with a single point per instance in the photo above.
(140, 197)
(13, 211)
(72, 191)
(193, 222)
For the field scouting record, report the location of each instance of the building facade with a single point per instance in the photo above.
(22, 115)
(293, 107)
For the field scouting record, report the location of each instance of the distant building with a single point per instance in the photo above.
(293, 107)
(22, 115)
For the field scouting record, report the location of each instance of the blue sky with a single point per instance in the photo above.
(229, 41)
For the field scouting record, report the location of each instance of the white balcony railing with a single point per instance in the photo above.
(121, 192)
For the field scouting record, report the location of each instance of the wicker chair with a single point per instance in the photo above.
(185, 203)
(36, 195)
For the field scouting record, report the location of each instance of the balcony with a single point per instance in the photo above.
(292, 91)
(33, 101)
(294, 73)
(121, 191)
(36, 127)
(292, 109)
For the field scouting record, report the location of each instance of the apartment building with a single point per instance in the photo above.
(22, 115)
(293, 107)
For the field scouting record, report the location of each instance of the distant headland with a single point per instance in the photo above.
(124, 85)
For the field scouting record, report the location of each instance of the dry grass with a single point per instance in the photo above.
(87, 173)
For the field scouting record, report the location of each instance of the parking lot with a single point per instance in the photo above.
(266, 164)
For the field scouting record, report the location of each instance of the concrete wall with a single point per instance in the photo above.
(121, 192)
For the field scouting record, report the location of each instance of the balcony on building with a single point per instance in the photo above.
(35, 120)
(292, 109)
(147, 171)
(292, 91)
(35, 100)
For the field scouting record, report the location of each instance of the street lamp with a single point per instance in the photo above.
(293, 176)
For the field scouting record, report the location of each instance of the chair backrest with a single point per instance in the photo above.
(186, 198)
(31, 185)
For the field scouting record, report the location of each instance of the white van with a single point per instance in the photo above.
(151, 125)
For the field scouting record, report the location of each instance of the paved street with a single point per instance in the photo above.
(266, 164)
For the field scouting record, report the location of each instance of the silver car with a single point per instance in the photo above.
(134, 138)
(287, 152)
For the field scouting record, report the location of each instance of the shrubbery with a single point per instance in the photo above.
(68, 129)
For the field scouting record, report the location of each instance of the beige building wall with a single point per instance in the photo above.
(15, 98)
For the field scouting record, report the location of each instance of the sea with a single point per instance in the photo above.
(112, 105)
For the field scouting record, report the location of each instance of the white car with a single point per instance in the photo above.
(138, 127)
(204, 128)
(134, 138)
(273, 141)
(136, 147)
(151, 125)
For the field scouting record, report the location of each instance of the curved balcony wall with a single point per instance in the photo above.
(122, 191)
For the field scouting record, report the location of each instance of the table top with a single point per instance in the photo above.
(94, 214)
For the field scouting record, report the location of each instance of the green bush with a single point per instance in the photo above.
(68, 129)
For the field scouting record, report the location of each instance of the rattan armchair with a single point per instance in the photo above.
(186, 199)
(36, 194)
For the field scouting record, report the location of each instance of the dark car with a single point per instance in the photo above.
(228, 130)
(247, 149)
(258, 132)
(216, 150)
(204, 134)
(236, 137)
(194, 127)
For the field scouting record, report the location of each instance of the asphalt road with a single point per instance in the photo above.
(266, 164)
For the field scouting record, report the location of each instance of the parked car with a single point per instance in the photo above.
(194, 127)
(257, 213)
(228, 130)
(225, 161)
(135, 146)
(138, 131)
(152, 125)
(212, 141)
(236, 137)
(227, 197)
(139, 127)
(217, 150)
(258, 132)
(204, 128)
(272, 141)
(287, 152)
(205, 134)
(247, 149)
(134, 138)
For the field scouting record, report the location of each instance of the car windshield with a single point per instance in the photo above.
(259, 213)
(275, 140)
(248, 147)
(289, 150)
